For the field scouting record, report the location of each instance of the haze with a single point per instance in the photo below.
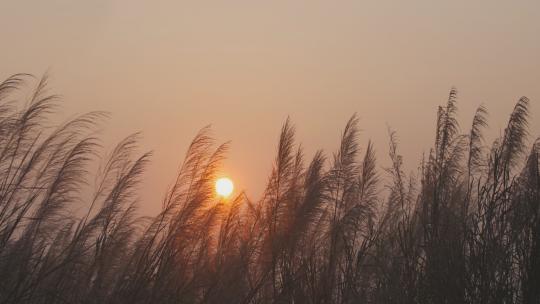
(168, 68)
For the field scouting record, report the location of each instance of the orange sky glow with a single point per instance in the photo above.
(168, 68)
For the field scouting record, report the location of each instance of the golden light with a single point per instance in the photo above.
(224, 187)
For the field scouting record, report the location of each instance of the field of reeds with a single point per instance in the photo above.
(332, 229)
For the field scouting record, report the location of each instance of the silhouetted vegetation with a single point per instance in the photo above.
(333, 229)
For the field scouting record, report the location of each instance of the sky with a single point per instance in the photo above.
(169, 68)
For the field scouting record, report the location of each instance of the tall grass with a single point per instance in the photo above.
(333, 229)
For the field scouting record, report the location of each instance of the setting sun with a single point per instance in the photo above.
(224, 187)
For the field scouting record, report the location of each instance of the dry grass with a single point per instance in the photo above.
(465, 230)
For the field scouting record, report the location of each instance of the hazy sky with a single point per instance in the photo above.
(168, 68)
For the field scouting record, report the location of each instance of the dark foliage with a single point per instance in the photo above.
(465, 229)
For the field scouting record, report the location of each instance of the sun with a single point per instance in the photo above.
(224, 187)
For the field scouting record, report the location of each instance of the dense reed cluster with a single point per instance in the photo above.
(464, 229)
